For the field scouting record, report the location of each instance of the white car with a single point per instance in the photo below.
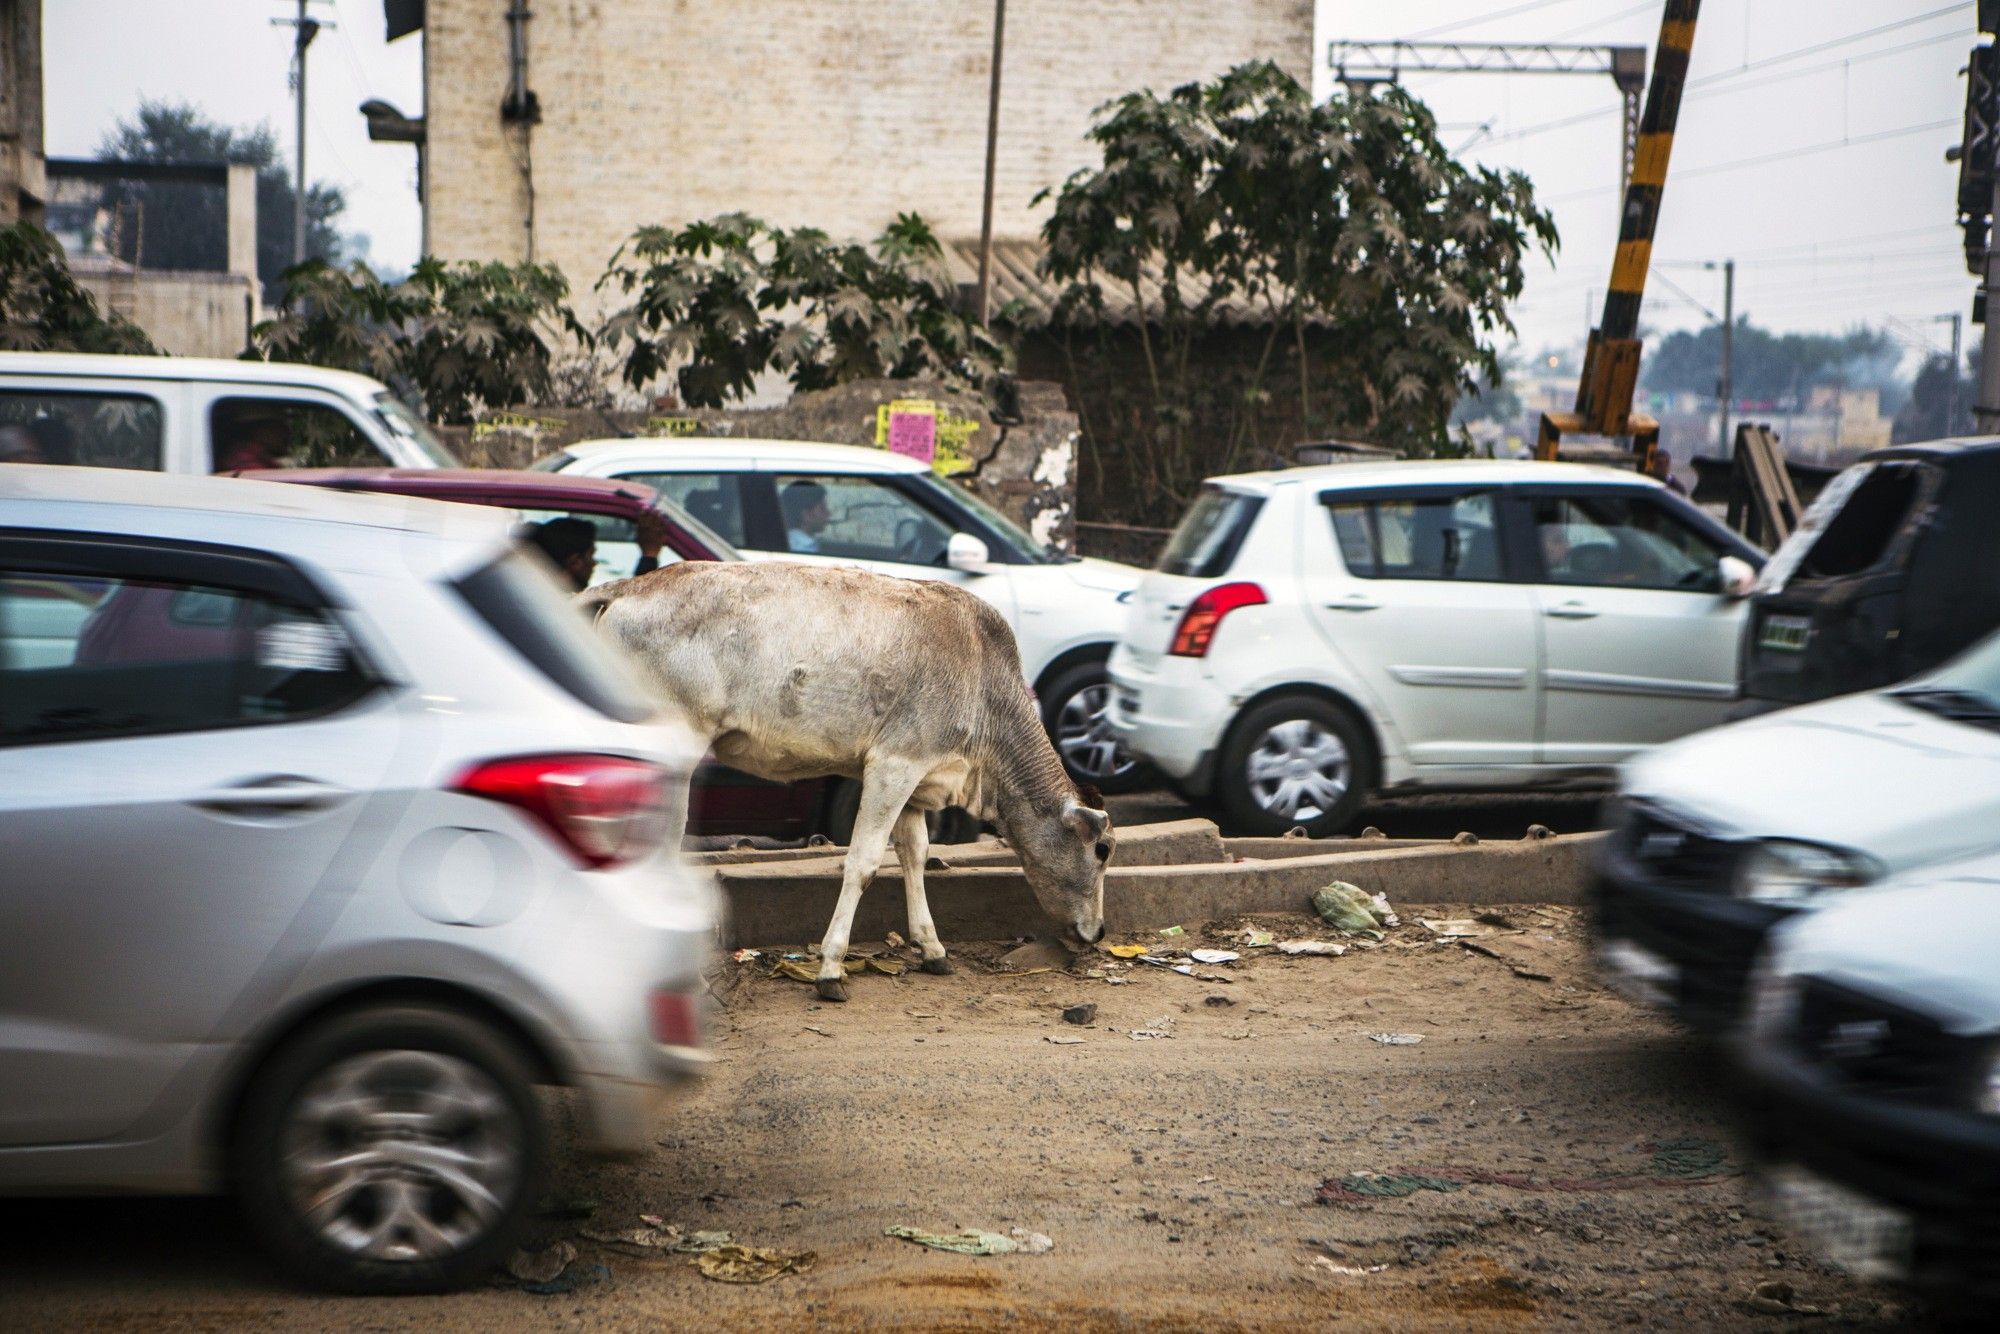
(1720, 837)
(842, 504)
(1315, 635)
(329, 831)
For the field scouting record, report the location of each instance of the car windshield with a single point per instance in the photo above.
(407, 426)
(1003, 527)
(1966, 689)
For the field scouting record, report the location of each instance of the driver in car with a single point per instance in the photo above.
(806, 516)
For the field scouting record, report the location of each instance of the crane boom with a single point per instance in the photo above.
(1611, 359)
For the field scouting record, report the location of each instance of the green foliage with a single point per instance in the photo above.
(453, 337)
(1345, 230)
(719, 302)
(184, 226)
(1770, 366)
(43, 309)
(1929, 414)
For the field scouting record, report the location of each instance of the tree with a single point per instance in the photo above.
(451, 337)
(183, 226)
(1379, 262)
(1770, 367)
(1928, 414)
(43, 309)
(722, 301)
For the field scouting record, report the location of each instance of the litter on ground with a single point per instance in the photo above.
(975, 1241)
(1126, 951)
(1214, 956)
(751, 1264)
(1396, 1039)
(1351, 908)
(1311, 947)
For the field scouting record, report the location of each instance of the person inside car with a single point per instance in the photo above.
(249, 436)
(806, 516)
(571, 545)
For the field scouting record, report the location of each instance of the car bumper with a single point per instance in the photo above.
(1685, 949)
(1938, 1171)
(1169, 713)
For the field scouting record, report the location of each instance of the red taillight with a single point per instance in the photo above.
(1205, 613)
(604, 808)
(675, 1020)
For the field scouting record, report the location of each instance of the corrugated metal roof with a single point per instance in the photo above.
(1019, 285)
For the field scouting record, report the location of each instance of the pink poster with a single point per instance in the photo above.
(914, 435)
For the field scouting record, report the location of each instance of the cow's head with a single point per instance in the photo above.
(1063, 854)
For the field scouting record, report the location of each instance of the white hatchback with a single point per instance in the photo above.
(1315, 635)
(842, 504)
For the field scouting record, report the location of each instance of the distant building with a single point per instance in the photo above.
(23, 170)
(554, 137)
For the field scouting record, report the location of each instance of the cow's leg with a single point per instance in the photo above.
(885, 788)
(913, 846)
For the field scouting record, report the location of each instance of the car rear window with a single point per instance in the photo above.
(525, 607)
(1210, 534)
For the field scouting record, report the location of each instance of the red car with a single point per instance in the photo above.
(726, 801)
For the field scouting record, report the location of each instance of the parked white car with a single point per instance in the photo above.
(194, 415)
(329, 831)
(842, 504)
(1315, 635)
(1720, 837)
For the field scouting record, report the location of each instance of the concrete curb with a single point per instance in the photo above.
(783, 904)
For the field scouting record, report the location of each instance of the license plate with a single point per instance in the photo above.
(1787, 634)
(1637, 973)
(1867, 1238)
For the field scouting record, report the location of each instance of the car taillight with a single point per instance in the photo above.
(604, 808)
(674, 1019)
(1205, 613)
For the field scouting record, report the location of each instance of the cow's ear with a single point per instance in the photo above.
(1085, 823)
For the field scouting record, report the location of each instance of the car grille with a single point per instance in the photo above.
(1674, 853)
(1880, 1049)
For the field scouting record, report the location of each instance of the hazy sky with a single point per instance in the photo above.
(1816, 162)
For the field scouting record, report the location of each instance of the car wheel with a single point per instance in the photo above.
(1076, 711)
(1292, 762)
(394, 1149)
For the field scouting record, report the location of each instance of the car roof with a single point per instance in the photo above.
(804, 453)
(187, 368)
(1422, 472)
(514, 486)
(1955, 447)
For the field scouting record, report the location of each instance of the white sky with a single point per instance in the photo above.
(1806, 170)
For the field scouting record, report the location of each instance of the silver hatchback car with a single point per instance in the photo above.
(327, 831)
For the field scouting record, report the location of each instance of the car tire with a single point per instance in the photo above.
(1076, 703)
(1296, 761)
(416, 1083)
(953, 824)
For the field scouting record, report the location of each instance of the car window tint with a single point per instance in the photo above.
(1452, 537)
(89, 657)
(617, 542)
(1622, 541)
(286, 433)
(91, 430)
(859, 518)
(713, 498)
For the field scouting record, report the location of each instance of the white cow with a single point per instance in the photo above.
(912, 686)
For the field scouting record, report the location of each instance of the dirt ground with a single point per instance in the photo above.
(1177, 1175)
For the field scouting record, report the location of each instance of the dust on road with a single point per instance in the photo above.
(1177, 1174)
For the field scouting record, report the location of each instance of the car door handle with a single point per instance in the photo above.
(1355, 602)
(1571, 611)
(266, 796)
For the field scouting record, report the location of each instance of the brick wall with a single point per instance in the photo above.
(834, 113)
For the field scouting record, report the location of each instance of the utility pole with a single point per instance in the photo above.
(983, 295)
(1951, 393)
(1725, 385)
(304, 29)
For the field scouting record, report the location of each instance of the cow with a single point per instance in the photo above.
(791, 671)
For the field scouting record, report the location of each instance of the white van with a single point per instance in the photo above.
(195, 415)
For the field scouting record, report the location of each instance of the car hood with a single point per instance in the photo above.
(1926, 943)
(1862, 772)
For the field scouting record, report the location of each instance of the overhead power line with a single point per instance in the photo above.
(1831, 145)
(1491, 15)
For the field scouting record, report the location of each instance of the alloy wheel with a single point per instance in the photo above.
(1084, 737)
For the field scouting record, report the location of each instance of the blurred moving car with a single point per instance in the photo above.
(842, 504)
(330, 832)
(1716, 839)
(1873, 1070)
(192, 415)
(1314, 635)
(1893, 569)
(724, 800)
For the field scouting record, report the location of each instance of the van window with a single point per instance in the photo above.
(246, 433)
(1205, 544)
(90, 430)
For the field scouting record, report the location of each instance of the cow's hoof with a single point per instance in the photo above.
(831, 989)
(940, 966)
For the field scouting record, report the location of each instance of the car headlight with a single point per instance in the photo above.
(1783, 872)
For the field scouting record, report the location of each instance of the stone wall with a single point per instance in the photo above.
(834, 113)
(1025, 466)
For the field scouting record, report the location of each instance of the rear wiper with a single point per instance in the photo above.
(1963, 706)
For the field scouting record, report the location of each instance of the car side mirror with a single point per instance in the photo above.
(1736, 575)
(967, 553)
